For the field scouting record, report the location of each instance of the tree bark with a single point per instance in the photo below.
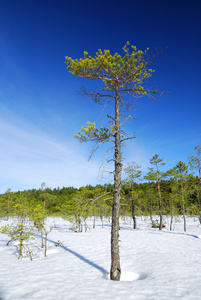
(183, 205)
(133, 209)
(199, 206)
(171, 211)
(115, 271)
(21, 237)
(41, 232)
(94, 223)
(151, 210)
(159, 202)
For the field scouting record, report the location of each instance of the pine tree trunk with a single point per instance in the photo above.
(115, 271)
(21, 237)
(200, 218)
(199, 206)
(101, 217)
(41, 232)
(133, 215)
(94, 224)
(133, 209)
(160, 212)
(171, 220)
(184, 218)
(183, 206)
(151, 211)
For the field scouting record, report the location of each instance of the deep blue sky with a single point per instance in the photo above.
(40, 109)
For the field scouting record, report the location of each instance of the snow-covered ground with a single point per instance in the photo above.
(155, 264)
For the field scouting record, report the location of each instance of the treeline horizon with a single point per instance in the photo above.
(176, 191)
(96, 200)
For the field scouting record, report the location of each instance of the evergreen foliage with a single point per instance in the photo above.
(180, 192)
(123, 78)
(98, 200)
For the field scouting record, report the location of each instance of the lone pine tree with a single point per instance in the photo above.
(123, 79)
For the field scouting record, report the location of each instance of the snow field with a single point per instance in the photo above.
(155, 265)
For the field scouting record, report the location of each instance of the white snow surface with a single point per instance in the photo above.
(155, 264)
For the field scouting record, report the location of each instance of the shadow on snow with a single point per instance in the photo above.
(187, 234)
(84, 259)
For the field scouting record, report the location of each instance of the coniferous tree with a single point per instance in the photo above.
(8, 192)
(181, 175)
(195, 164)
(133, 173)
(19, 231)
(122, 77)
(156, 175)
(173, 195)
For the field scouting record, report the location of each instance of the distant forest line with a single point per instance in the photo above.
(80, 203)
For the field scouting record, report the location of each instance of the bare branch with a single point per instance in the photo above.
(94, 150)
(128, 138)
(93, 200)
(111, 118)
(104, 161)
(129, 117)
(95, 96)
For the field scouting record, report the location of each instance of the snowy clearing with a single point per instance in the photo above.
(155, 265)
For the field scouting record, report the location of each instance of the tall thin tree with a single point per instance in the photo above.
(195, 164)
(181, 175)
(123, 78)
(133, 173)
(155, 175)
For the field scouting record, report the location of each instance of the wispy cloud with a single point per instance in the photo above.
(29, 157)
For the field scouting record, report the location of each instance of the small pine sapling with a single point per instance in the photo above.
(46, 232)
(38, 217)
(19, 232)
